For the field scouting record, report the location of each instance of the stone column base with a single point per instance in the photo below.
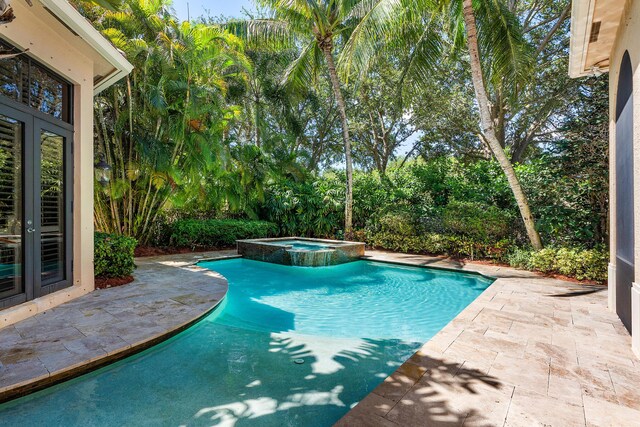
(635, 318)
(611, 291)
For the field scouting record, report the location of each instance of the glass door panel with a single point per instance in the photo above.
(11, 207)
(52, 208)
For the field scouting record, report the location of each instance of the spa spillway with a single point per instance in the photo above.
(300, 251)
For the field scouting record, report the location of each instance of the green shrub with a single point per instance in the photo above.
(543, 260)
(483, 223)
(397, 223)
(594, 265)
(583, 264)
(436, 244)
(518, 258)
(113, 255)
(217, 233)
(567, 261)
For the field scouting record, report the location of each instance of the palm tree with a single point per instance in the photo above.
(499, 48)
(487, 125)
(318, 26)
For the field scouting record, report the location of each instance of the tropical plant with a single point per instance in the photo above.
(318, 26)
(162, 129)
(507, 63)
(498, 54)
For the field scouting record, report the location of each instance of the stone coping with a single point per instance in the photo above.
(529, 351)
(169, 294)
(276, 240)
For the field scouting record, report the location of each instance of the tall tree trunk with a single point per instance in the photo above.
(335, 83)
(488, 127)
(257, 119)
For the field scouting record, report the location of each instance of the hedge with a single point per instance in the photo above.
(216, 233)
(582, 264)
(438, 244)
(113, 255)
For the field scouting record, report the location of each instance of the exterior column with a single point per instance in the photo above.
(83, 188)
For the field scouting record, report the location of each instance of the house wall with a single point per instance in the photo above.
(27, 31)
(626, 40)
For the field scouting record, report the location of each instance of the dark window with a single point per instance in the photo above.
(26, 81)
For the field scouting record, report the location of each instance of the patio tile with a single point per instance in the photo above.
(528, 373)
(565, 389)
(395, 386)
(600, 413)
(360, 419)
(374, 404)
(554, 353)
(626, 383)
(27, 370)
(444, 400)
(62, 359)
(533, 409)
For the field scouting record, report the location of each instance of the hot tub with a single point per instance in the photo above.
(300, 251)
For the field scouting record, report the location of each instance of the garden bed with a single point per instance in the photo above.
(112, 282)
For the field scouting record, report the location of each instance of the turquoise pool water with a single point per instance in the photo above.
(301, 244)
(351, 324)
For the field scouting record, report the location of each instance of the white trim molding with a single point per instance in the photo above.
(581, 17)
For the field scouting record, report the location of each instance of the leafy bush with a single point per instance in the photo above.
(436, 244)
(113, 255)
(398, 224)
(543, 260)
(217, 233)
(480, 222)
(518, 258)
(312, 209)
(583, 264)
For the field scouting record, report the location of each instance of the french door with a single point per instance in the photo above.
(35, 204)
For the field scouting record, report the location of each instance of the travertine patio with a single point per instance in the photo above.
(529, 351)
(169, 293)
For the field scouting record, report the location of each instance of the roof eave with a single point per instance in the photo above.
(581, 19)
(70, 17)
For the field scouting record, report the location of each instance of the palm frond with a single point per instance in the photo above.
(376, 20)
(303, 71)
(506, 54)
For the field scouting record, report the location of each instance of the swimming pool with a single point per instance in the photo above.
(351, 325)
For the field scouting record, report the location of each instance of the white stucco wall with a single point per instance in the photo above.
(65, 58)
(627, 40)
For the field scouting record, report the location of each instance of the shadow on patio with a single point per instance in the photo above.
(430, 391)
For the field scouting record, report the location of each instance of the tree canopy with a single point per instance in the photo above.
(244, 117)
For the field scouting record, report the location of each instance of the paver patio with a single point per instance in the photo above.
(167, 295)
(529, 351)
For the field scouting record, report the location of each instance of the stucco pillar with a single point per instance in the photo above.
(83, 188)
